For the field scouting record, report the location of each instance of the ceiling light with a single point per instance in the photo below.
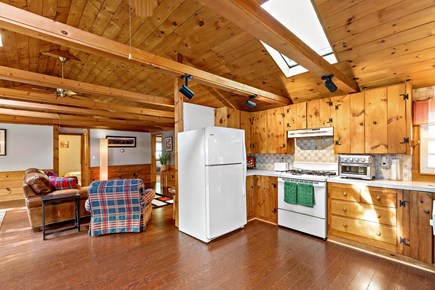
(251, 103)
(328, 83)
(184, 89)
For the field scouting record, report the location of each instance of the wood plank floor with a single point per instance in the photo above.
(260, 256)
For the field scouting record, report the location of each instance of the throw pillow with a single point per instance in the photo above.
(38, 181)
(50, 173)
(61, 183)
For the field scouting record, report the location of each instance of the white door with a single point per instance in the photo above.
(225, 199)
(224, 146)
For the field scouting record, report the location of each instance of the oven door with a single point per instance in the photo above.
(354, 170)
(319, 209)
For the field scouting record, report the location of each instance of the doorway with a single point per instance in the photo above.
(157, 154)
(70, 156)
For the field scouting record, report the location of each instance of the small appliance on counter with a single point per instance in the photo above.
(250, 162)
(356, 166)
(280, 166)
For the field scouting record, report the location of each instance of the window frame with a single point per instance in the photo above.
(424, 149)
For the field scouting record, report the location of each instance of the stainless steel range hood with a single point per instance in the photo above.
(316, 132)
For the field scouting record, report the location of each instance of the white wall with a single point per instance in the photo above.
(141, 154)
(197, 117)
(69, 158)
(27, 146)
(169, 134)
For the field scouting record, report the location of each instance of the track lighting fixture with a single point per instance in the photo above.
(184, 89)
(251, 103)
(328, 83)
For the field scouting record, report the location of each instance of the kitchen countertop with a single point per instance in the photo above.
(407, 185)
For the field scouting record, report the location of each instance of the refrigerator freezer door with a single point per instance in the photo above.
(225, 199)
(224, 146)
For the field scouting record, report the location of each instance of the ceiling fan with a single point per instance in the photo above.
(61, 92)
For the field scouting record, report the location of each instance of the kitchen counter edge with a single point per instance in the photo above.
(397, 184)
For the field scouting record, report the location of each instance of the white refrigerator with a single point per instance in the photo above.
(211, 182)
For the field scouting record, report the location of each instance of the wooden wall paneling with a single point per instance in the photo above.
(86, 157)
(301, 119)
(245, 124)
(396, 128)
(341, 121)
(260, 132)
(178, 127)
(277, 139)
(376, 110)
(56, 149)
(11, 186)
(357, 123)
(140, 171)
(153, 158)
(227, 117)
(313, 114)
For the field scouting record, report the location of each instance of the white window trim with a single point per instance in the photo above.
(424, 141)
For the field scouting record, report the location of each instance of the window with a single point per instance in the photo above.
(427, 148)
(301, 19)
(158, 147)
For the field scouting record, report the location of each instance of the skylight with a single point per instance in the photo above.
(301, 19)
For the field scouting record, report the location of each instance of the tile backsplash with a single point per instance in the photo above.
(322, 150)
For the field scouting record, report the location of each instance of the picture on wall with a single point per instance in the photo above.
(168, 144)
(64, 144)
(2, 142)
(119, 141)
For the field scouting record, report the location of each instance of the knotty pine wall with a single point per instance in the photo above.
(141, 171)
(11, 186)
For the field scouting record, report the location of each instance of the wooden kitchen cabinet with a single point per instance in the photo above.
(357, 123)
(276, 134)
(246, 124)
(266, 198)
(341, 123)
(250, 197)
(319, 113)
(227, 117)
(295, 116)
(414, 236)
(259, 132)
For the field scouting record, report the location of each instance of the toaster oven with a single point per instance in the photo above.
(356, 166)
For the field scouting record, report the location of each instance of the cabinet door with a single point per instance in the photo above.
(227, 117)
(250, 197)
(277, 139)
(341, 122)
(313, 114)
(376, 109)
(295, 116)
(397, 107)
(260, 132)
(266, 198)
(357, 122)
(245, 124)
(414, 210)
(301, 118)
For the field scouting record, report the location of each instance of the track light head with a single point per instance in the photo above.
(251, 103)
(329, 84)
(184, 89)
(187, 92)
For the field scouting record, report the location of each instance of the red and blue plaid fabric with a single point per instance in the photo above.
(116, 206)
(63, 182)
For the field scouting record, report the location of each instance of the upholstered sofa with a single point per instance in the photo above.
(53, 212)
(119, 206)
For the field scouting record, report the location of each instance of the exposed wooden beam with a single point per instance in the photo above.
(163, 116)
(30, 106)
(249, 16)
(222, 98)
(21, 21)
(21, 76)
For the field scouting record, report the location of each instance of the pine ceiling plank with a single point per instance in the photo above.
(75, 12)
(89, 15)
(256, 21)
(16, 19)
(35, 6)
(388, 15)
(332, 7)
(53, 82)
(34, 48)
(49, 8)
(10, 48)
(104, 16)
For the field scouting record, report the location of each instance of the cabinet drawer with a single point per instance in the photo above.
(379, 196)
(368, 212)
(343, 192)
(365, 229)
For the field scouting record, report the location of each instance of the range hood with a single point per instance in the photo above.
(316, 132)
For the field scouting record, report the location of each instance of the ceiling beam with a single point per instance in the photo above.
(222, 98)
(21, 76)
(24, 22)
(30, 106)
(249, 16)
(43, 98)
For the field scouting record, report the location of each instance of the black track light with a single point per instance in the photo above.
(328, 83)
(184, 89)
(251, 103)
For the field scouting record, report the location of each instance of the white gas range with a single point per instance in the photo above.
(310, 220)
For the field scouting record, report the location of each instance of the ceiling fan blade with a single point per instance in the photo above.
(70, 93)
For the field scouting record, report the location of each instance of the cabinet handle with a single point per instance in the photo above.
(345, 209)
(378, 234)
(378, 197)
(345, 193)
(426, 211)
(345, 226)
(374, 122)
(274, 210)
(274, 185)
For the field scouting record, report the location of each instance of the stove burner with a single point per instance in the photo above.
(311, 172)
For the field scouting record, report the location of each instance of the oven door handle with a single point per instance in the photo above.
(314, 183)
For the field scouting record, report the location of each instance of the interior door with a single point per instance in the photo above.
(225, 199)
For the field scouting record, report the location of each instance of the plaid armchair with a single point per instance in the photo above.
(118, 206)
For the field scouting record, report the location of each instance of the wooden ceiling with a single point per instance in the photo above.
(376, 43)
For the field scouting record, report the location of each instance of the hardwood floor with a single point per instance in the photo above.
(261, 256)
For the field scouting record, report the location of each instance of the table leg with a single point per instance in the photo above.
(78, 213)
(43, 221)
